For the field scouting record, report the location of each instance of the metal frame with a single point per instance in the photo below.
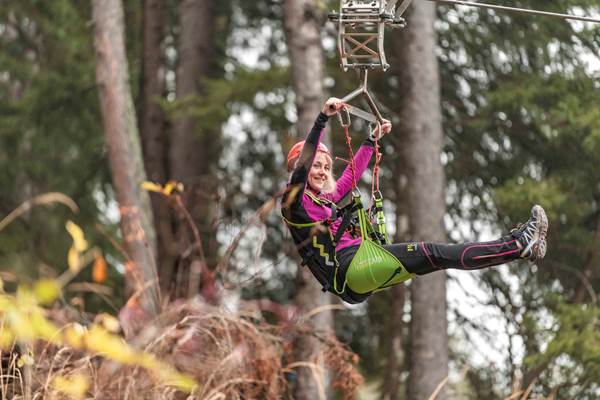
(361, 35)
(361, 31)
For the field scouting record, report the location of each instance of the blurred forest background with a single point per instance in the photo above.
(97, 97)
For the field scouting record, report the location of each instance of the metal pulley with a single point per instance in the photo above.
(361, 31)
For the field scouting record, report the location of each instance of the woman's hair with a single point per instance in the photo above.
(329, 186)
(294, 155)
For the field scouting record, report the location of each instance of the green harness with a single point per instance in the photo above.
(373, 268)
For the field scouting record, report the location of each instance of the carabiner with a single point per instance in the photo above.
(344, 124)
(378, 128)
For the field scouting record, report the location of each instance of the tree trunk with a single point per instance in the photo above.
(124, 152)
(303, 39)
(421, 124)
(195, 150)
(152, 132)
(395, 354)
(306, 56)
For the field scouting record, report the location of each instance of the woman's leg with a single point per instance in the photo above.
(422, 258)
(528, 241)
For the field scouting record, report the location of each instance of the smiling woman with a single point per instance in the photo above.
(343, 259)
(320, 176)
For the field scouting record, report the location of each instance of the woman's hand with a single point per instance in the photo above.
(332, 106)
(386, 127)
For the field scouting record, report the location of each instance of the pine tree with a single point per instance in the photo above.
(124, 153)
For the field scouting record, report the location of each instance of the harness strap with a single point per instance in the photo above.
(305, 225)
(346, 219)
(380, 216)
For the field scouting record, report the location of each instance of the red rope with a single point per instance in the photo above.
(350, 154)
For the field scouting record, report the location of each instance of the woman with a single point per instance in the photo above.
(309, 206)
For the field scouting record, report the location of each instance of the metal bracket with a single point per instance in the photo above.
(401, 9)
(374, 116)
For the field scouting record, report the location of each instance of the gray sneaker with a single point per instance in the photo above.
(532, 234)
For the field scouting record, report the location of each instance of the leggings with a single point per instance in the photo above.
(422, 258)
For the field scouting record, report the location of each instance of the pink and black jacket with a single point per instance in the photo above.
(302, 208)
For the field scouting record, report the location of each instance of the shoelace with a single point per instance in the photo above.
(529, 230)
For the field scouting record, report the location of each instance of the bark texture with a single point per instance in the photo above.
(421, 123)
(152, 130)
(194, 150)
(303, 40)
(124, 151)
(395, 335)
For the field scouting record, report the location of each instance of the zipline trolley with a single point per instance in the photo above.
(361, 39)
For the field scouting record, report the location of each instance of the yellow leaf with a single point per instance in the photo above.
(171, 186)
(99, 269)
(1, 286)
(112, 346)
(109, 322)
(46, 291)
(152, 187)
(75, 386)
(25, 298)
(76, 233)
(7, 339)
(74, 260)
(25, 359)
(74, 335)
(42, 327)
(167, 374)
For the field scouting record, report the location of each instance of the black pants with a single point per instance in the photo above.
(422, 258)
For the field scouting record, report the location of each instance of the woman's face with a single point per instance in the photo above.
(320, 172)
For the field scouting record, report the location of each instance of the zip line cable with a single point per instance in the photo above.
(518, 10)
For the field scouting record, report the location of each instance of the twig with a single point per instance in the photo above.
(259, 215)
(194, 282)
(444, 381)
(47, 198)
(316, 370)
(318, 310)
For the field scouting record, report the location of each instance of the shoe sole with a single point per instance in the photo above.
(539, 249)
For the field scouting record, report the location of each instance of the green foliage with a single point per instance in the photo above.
(51, 134)
(522, 128)
(573, 350)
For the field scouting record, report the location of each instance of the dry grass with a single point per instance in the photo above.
(231, 356)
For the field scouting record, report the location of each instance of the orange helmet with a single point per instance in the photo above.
(297, 148)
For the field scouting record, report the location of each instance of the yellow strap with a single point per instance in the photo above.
(316, 199)
(306, 225)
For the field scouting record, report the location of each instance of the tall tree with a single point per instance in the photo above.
(153, 129)
(421, 126)
(301, 26)
(394, 333)
(195, 148)
(124, 152)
